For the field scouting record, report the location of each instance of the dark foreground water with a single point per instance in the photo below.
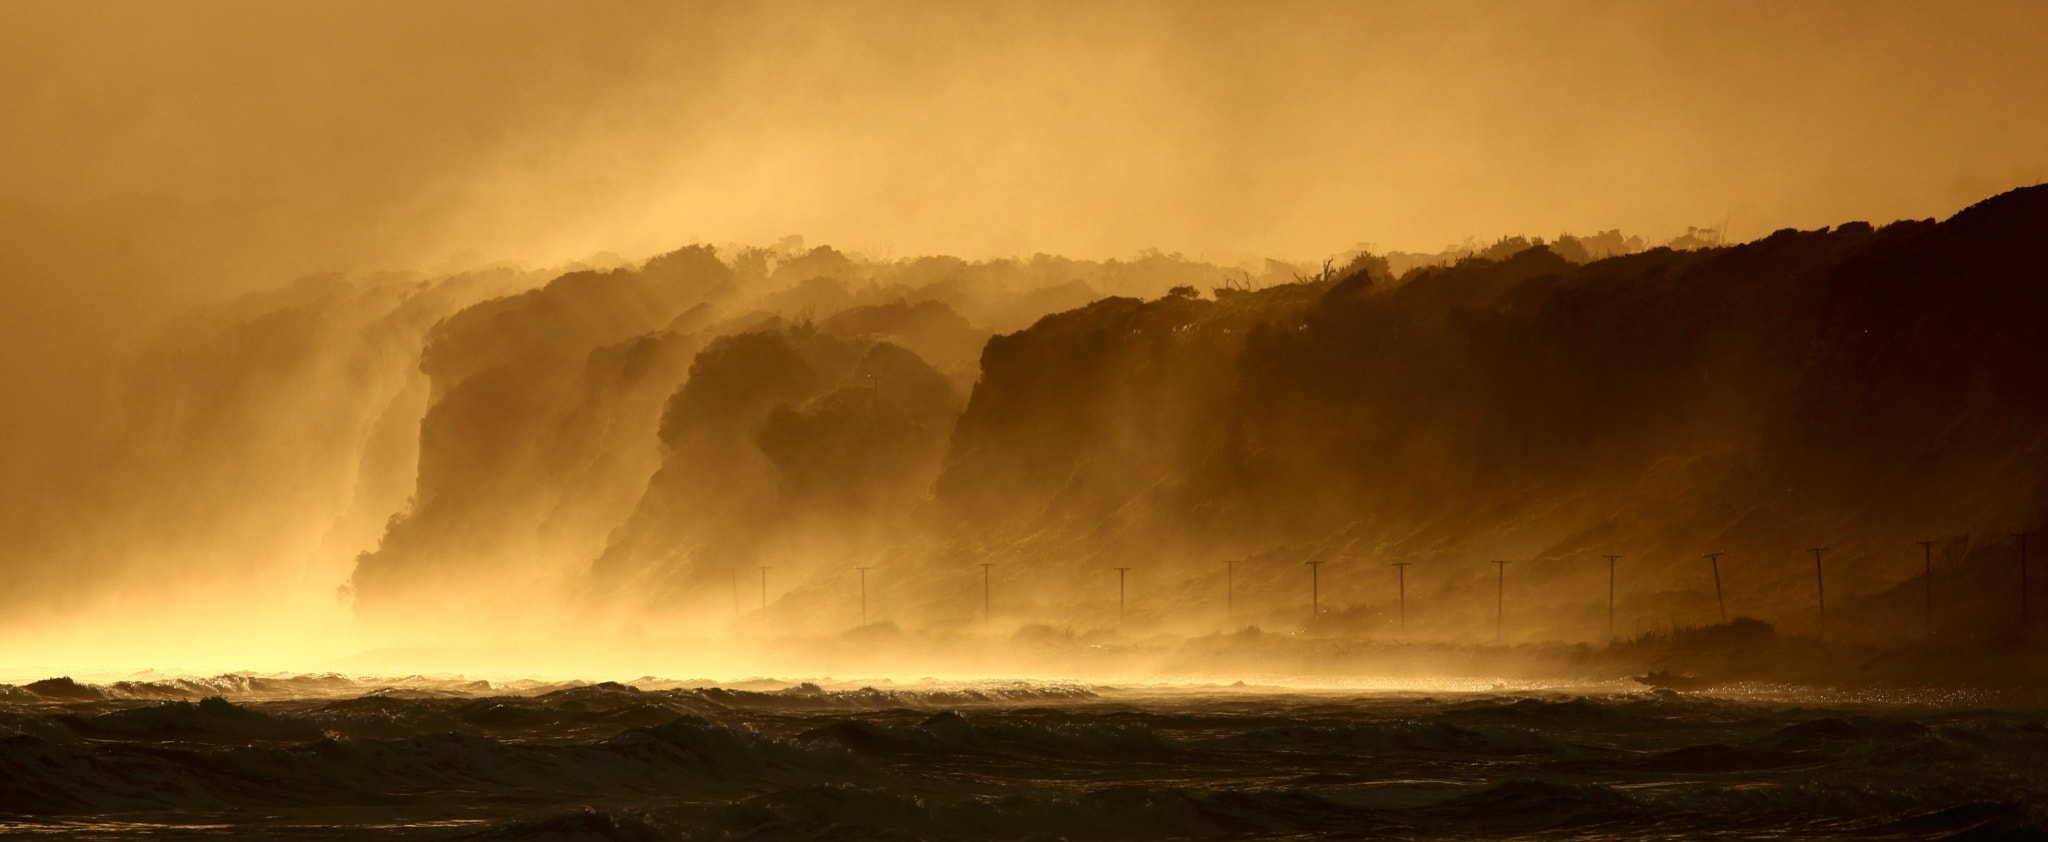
(327, 758)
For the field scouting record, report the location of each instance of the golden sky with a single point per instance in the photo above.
(402, 134)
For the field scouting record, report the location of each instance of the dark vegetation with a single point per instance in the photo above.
(1858, 386)
(1863, 386)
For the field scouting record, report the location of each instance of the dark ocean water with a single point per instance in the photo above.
(333, 758)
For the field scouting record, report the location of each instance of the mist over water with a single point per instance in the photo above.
(683, 465)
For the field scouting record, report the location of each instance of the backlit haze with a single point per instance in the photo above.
(284, 383)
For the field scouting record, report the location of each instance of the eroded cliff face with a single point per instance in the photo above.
(540, 422)
(793, 449)
(612, 447)
(631, 448)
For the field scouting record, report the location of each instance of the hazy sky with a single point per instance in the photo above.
(366, 134)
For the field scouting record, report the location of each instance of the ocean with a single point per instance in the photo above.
(329, 757)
